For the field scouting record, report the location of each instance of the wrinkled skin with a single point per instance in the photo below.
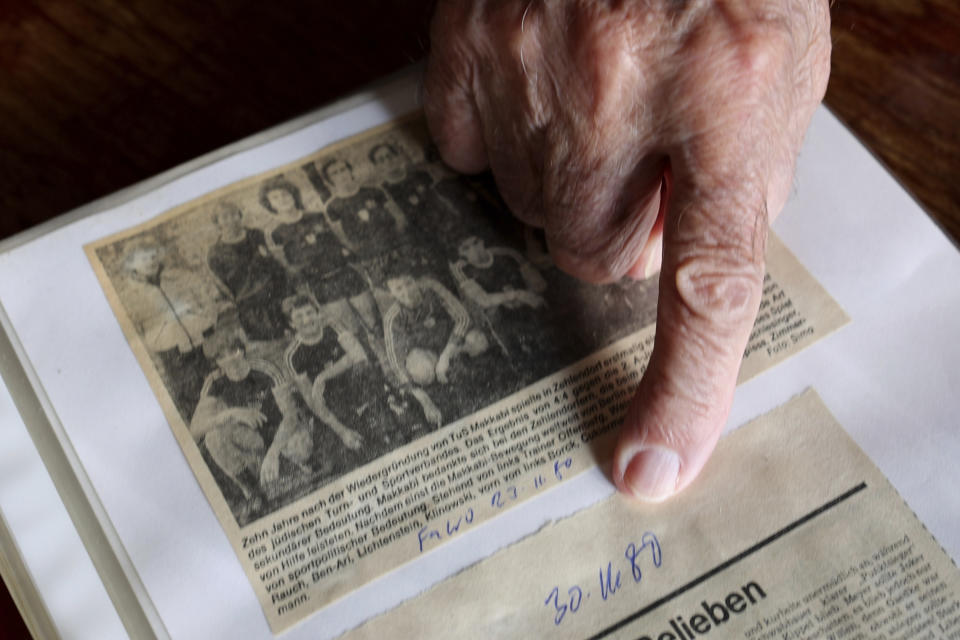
(642, 135)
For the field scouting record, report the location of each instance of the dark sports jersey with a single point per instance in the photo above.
(309, 243)
(428, 326)
(366, 222)
(253, 392)
(349, 393)
(311, 359)
(256, 281)
(244, 267)
(411, 193)
(478, 210)
(459, 193)
(503, 275)
(431, 216)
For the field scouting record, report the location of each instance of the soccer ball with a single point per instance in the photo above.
(422, 366)
(475, 343)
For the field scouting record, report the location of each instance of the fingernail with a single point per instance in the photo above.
(652, 474)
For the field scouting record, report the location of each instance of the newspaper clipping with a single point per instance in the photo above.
(362, 354)
(806, 541)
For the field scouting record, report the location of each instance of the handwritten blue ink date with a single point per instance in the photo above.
(453, 526)
(638, 557)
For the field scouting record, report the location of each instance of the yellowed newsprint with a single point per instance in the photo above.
(363, 354)
(790, 533)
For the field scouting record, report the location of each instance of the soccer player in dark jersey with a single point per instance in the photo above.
(509, 290)
(247, 420)
(478, 204)
(411, 189)
(475, 202)
(424, 330)
(256, 282)
(368, 220)
(497, 276)
(339, 380)
(315, 254)
(426, 319)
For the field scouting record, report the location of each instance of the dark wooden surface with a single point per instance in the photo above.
(896, 84)
(97, 95)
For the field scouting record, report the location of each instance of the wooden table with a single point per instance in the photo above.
(97, 95)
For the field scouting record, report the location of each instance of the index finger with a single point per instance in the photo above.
(710, 288)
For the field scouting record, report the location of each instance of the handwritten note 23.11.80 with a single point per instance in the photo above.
(429, 537)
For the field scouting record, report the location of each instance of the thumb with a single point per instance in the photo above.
(710, 288)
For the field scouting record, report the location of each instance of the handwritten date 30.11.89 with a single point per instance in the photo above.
(637, 557)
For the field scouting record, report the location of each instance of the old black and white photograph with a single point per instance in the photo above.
(302, 324)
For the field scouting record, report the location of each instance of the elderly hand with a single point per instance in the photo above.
(640, 133)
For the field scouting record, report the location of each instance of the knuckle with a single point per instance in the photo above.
(508, 30)
(791, 39)
(719, 273)
(762, 53)
(603, 53)
(717, 289)
(721, 287)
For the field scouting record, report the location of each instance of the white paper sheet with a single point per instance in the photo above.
(52, 550)
(890, 376)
